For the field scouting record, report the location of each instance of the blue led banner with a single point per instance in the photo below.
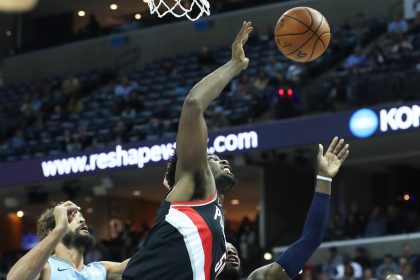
(361, 123)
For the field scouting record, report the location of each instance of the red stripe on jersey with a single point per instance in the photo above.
(205, 236)
(195, 203)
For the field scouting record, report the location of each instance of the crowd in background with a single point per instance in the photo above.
(101, 108)
(360, 266)
(378, 222)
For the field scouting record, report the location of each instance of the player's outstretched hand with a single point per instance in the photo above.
(64, 214)
(330, 163)
(238, 54)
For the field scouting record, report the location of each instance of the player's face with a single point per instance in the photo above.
(222, 172)
(232, 270)
(79, 235)
(232, 261)
(78, 224)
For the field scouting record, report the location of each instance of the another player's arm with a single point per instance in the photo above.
(34, 264)
(288, 265)
(191, 143)
(114, 270)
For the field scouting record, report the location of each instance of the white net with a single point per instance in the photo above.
(192, 9)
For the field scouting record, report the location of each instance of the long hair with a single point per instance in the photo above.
(45, 223)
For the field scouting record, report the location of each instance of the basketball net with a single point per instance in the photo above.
(161, 8)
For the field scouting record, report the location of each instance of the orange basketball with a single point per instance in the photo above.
(302, 34)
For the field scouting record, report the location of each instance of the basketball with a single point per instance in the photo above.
(302, 34)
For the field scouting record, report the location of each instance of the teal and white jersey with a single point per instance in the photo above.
(62, 270)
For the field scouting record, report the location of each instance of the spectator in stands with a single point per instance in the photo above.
(92, 28)
(333, 261)
(120, 133)
(216, 119)
(402, 45)
(169, 68)
(206, 59)
(415, 26)
(378, 56)
(84, 139)
(131, 107)
(75, 105)
(409, 273)
(182, 88)
(388, 266)
(18, 141)
(244, 87)
(68, 143)
(57, 115)
(355, 59)
(394, 221)
(352, 228)
(349, 269)
(398, 25)
(336, 230)
(360, 216)
(247, 241)
(362, 258)
(25, 108)
(70, 85)
(230, 234)
(294, 72)
(125, 88)
(412, 258)
(376, 223)
(368, 275)
(261, 81)
(273, 66)
(36, 103)
(360, 28)
(161, 112)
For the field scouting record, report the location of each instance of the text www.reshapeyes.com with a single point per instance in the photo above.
(141, 156)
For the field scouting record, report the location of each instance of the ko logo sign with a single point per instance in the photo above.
(365, 122)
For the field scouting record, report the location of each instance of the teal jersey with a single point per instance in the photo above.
(62, 270)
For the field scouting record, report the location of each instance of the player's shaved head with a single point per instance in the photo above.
(394, 277)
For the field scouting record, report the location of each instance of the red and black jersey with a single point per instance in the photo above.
(186, 243)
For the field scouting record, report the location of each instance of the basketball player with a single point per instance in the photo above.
(291, 262)
(188, 241)
(64, 236)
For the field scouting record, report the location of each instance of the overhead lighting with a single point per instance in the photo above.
(88, 199)
(19, 214)
(137, 16)
(89, 210)
(113, 7)
(406, 197)
(235, 201)
(268, 256)
(81, 13)
(8, 33)
(136, 193)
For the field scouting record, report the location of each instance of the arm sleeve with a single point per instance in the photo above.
(295, 257)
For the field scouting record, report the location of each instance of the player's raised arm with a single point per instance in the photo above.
(32, 264)
(193, 176)
(291, 262)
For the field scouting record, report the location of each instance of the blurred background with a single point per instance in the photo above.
(90, 96)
